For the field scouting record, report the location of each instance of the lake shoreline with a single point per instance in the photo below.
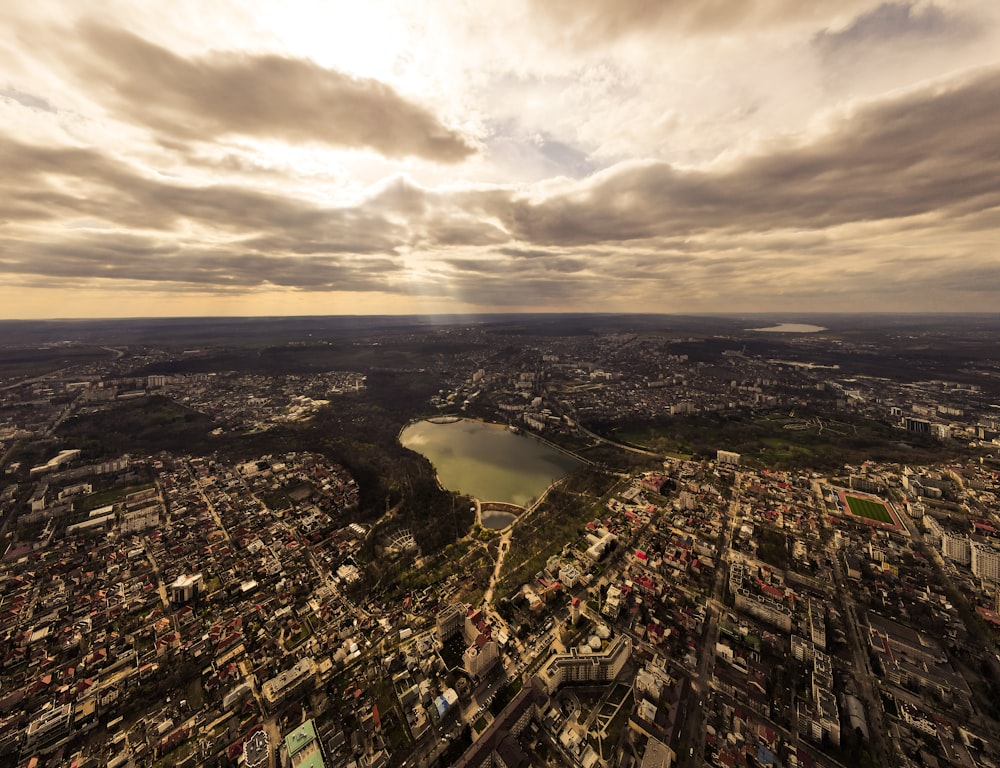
(488, 461)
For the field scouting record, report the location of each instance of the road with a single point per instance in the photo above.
(702, 677)
(883, 747)
(501, 554)
(208, 502)
(160, 586)
(933, 556)
(623, 446)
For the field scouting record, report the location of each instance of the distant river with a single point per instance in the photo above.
(790, 328)
(488, 461)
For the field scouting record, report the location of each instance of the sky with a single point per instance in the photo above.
(317, 157)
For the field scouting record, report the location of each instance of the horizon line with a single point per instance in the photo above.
(734, 315)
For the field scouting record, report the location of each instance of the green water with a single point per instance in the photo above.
(488, 461)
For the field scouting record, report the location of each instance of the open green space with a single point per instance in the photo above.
(110, 496)
(560, 518)
(144, 426)
(772, 547)
(288, 495)
(780, 439)
(24, 361)
(869, 508)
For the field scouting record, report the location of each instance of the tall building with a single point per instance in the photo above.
(985, 562)
(956, 547)
(576, 667)
(185, 587)
(483, 651)
(499, 746)
(480, 656)
(450, 620)
(728, 457)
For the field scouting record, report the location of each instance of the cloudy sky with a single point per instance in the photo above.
(247, 157)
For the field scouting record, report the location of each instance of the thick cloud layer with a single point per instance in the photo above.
(929, 151)
(263, 95)
(623, 156)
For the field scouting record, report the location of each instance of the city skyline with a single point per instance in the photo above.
(331, 158)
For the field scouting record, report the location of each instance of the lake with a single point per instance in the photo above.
(790, 328)
(488, 461)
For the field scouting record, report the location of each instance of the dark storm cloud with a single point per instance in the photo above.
(931, 151)
(540, 289)
(260, 95)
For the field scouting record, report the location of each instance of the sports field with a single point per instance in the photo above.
(869, 508)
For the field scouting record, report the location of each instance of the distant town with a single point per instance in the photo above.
(777, 550)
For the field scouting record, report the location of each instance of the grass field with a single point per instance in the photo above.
(873, 510)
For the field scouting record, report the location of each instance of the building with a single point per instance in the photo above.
(292, 681)
(920, 426)
(866, 483)
(304, 749)
(569, 575)
(653, 679)
(802, 649)
(140, 519)
(574, 611)
(498, 746)
(185, 588)
(446, 702)
(956, 547)
(824, 717)
(599, 545)
(39, 497)
(63, 457)
(577, 667)
(657, 755)
(257, 750)
(450, 620)
(765, 609)
(483, 651)
(49, 731)
(480, 656)
(817, 625)
(728, 457)
(985, 562)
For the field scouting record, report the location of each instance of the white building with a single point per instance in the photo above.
(185, 587)
(286, 684)
(728, 457)
(50, 730)
(985, 562)
(576, 667)
(140, 519)
(569, 575)
(956, 547)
